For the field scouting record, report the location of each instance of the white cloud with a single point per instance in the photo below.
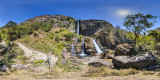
(123, 12)
(118, 11)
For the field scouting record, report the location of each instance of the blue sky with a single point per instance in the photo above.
(112, 11)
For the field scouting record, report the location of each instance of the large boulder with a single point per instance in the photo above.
(140, 61)
(124, 49)
(100, 63)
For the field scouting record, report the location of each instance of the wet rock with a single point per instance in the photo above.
(124, 49)
(140, 61)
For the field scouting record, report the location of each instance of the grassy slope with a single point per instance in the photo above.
(54, 40)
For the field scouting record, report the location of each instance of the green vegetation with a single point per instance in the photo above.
(69, 36)
(121, 36)
(10, 24)
(12, 31)
(37, 62)
(137, 23)
(155, 34)
(12, 52)
(46, 41)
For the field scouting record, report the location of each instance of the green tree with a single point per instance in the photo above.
(155, 34)
(137, 23)
(10, 24)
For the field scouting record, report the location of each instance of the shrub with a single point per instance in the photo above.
(69, 36)
(57, 39)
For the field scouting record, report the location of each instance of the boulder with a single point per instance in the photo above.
(107, 54)
(18, 66)
(104, 55)
(140, 61)
(124, 49)
(100, 63)
(89, 46)
(3, 68)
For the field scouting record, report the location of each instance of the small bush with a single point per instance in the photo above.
(38, 61)
(57, 39)
(87, 40)
(69, 36)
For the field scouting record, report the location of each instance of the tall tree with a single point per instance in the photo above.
(137, 23)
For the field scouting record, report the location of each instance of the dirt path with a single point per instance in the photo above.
(36, 55)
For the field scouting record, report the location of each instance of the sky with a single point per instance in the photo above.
(112, 11)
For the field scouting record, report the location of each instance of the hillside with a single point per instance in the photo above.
(29, 48)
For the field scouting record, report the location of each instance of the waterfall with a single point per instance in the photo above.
(73, 52)
(82, 51)
(78, 27)
(72, 49)
(98, 49)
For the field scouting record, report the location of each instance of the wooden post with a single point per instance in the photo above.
(50, 59)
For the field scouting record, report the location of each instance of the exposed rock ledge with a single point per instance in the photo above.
(36, 55)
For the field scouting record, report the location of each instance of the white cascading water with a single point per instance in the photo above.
(73, 52)
(98, 49)
(72, 48)
(78, 27)
(83, 52)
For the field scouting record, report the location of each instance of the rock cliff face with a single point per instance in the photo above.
(106, 38)
(101, 30)
(90, 27)
(54, 21)
(89, 47)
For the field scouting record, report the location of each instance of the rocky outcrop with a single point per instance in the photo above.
(107, 54)
(109, 37)
(140, 61)
(100, 63)
(106, 38)
(90, 27)
(18, 66)
(54, 20)
(78, 45)
(3, 68)
(89, 47)
(124, 49)
(36, 55)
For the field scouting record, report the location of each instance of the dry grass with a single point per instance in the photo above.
(105, 71)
